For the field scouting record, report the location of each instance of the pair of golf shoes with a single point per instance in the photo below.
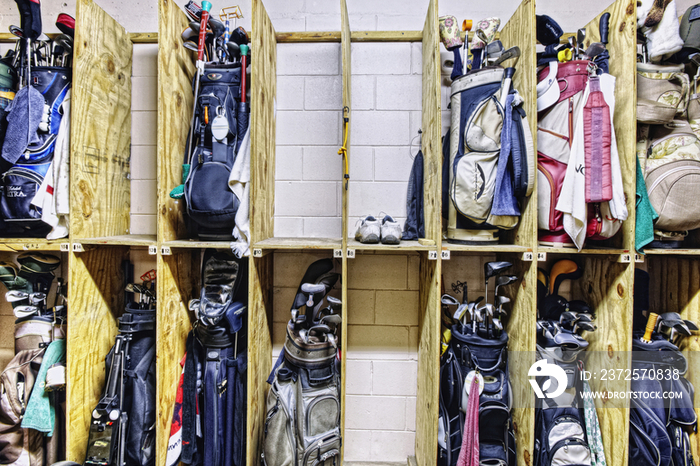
(372, 230)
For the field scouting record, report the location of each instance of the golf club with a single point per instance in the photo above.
(504, 280)
(493, 268)
(14, 296)
(580, 38)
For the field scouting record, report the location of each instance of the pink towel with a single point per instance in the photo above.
(469, 453)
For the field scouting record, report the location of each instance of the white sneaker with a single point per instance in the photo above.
(369, 231)
(391, 230)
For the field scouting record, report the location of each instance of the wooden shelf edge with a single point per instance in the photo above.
(121, 240)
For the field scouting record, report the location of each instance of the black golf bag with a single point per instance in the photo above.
(122, 431)
(214, 388)
(220, 123)
(468, 352)
(23, 173)
(303, 405)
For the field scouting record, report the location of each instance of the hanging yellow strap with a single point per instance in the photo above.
(344, 149)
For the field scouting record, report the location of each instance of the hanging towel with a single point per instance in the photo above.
(504, 202)
(664, 38)
(469, 452)
(572, 200)
(595, 439)
(239, 182)
(41, 413)
(644, 227)
(23, 120)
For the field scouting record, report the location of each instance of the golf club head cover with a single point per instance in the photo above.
(30, 14)
(313, 273)
(223, 275)
(496, 267)
(548, 31)
(450, 32)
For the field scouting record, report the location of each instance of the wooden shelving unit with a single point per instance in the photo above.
(100, 197)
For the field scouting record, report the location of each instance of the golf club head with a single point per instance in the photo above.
(16, 31)
(189, 45)
(498, 325)
(333, 320)
(233, 50)
(585, 326)
(582, 317)
(217, 27)
(580, 38)
(36, 298)
(188, 34)
(320, 328)
(482, 37)
(513, 52)
(239, 36)
(505, 280)
(580, 306)
(595, 49)
(64, 38)
(567, 316)
(303, 334)
(25, 311)
(501, 300)
(193, 305)
(14, 296)
(564, 269)
(495, 268)
(691, 325)
(449, 300)
(460, 312)
(194, 25)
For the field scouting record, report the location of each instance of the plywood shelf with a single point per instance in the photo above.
(672, 252)
(299, 243)
(121, 240)
(196, 244)
(584, 251)
(485, 248)
(31, 244)
(402, 246)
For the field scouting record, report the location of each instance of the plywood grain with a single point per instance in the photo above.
(607, 287)
(259, 350)
(427, 401)
(96, 298)
(520, 31)
(521, 352)
(175, 105)
(101, 125)
(431, 125)
(623, 65)
(262, 137)
(178, 277)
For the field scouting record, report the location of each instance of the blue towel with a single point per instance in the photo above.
(504, 202)
(22, 122)
(41, 413)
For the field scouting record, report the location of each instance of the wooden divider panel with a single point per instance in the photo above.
(259, 350)
(175, 106)
(607, 287)
(96, 296)
(178, 282)
(428, 394)
(431, 126)
(345, 47)
(674, 286)
(101, 125)
(263, 129)
(521, 349)
(520, 31)
(623, 65)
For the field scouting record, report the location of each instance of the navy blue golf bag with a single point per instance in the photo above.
(22, 176)
(220, 123)
(214, 382)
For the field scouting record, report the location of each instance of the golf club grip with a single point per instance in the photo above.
(651, 324)
(604, 27)
(244, 66)
(202, 35)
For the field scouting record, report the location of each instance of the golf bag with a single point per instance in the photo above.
(122, 430)
(560, 140)
(469, 352)
(212, 414)
(303, 405)
(23, 172)
(489, 168)
(659, 428)
(220, 123)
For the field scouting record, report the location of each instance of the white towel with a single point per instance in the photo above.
(239, 182)
(663, 39)
(572, 201)
(53, 192)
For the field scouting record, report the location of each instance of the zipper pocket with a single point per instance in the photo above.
(473, 116)
(659, 141)
(24, 173)
(309, 409)
(317, 445)
(649, 442)
(556, 135)
(668, 173)
(552, 200)
(572, 443)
